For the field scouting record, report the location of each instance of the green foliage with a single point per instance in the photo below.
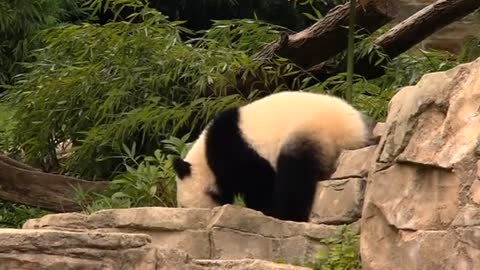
(470, 49)
(104, 86)
(313, 8)
(19, 20)
(246, 35)
(238, 200)
(147, 181)
(124, 82)
(14, 215)
(6, 126)
(343, 252)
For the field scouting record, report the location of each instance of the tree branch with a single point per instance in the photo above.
(404, 36)
(328, 36)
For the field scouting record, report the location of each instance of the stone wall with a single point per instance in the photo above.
(129, 238)
(421, 208)
(450, 37)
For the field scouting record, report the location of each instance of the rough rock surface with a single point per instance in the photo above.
(340, 200)
(421, 208)
(227, 232)
(52, 250)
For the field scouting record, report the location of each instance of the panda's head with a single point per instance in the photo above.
(196, 185)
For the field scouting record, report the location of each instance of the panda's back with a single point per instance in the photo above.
(268, 123)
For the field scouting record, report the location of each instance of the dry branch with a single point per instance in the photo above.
(328, 36)
(405, 35)
(53, 192)
(317, 43)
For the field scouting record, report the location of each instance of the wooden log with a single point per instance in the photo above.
(18, 164)
(328, 36)
(424, 23)
(311, 46)
(404, 36)
(43, 190)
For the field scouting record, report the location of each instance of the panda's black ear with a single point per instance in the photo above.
(181, 167)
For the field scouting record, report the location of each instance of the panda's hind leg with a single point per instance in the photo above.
(300, 165)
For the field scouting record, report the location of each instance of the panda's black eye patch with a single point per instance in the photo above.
(182, 168)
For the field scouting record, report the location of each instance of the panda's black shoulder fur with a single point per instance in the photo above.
(237, 167)
(286, 193)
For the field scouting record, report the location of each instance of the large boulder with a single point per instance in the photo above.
(422, 202)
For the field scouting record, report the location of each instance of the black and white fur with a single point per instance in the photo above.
(272, 152)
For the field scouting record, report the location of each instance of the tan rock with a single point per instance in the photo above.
(227, 232)
(247, 220)
(354, 163)
(475, 192)
(66, 222)
(401, 249)
(49, 249)
(232, 244)
(172, 228)
(467, 217)
(420, 209)
(60, 250)
(238, 232)
(338, 201)
(409, 250)
(148, 218)
(414, 198)
(245, 264)
(435, 122)
(379, 129)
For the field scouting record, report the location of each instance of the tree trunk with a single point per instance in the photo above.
(404, 36)
(317, 43)
(328, 36)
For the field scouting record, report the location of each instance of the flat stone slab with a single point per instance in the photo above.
(59, 250)
(226, 232)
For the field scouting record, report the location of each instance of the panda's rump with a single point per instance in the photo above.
(268, 124)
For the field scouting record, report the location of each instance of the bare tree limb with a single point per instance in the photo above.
(404, 36)
(328, 36)
(317, 43)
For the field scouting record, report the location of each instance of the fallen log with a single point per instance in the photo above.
(403, 36)
(47, 191)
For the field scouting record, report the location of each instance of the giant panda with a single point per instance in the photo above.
(272, 151)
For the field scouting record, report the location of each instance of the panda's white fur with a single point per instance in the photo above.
(268, 125)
